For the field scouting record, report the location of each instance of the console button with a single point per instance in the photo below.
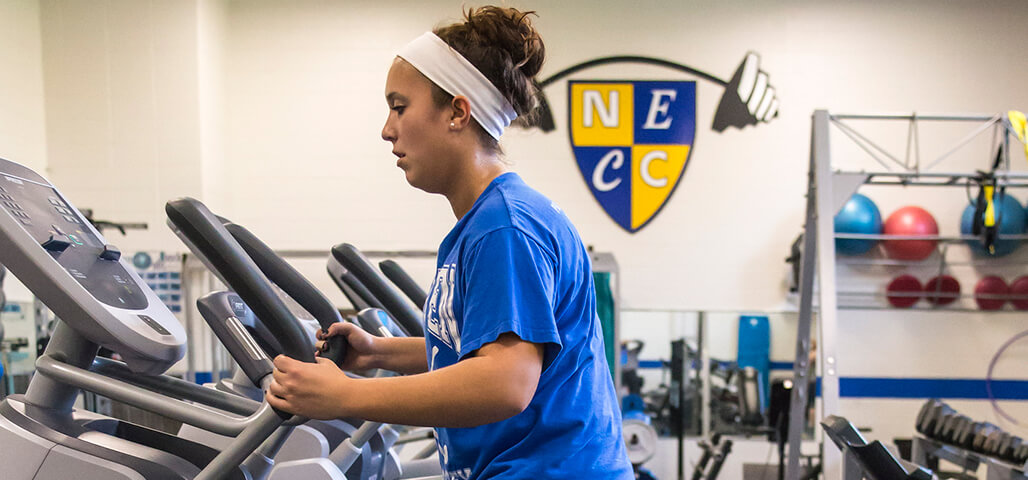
(154, 325)
(110, 252)
(55, 244)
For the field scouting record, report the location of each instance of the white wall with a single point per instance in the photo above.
(214, 173)
(22, 115)
(21, 84)
(122, 82)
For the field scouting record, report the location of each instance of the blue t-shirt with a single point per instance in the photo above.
(514, 263)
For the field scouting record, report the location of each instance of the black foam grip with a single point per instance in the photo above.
(399, 308)
(283, 274)
(396, 274)
(334, 349)
(208, 234)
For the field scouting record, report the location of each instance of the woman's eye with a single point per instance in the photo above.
(398, 108)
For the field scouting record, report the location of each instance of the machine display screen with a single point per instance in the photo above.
(46, 216)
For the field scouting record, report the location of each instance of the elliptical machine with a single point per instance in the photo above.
(228, 315)
(220, 308)
(100, 300)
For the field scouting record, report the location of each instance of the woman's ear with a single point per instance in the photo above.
(461, 111)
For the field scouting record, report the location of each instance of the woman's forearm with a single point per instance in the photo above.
(401, 355)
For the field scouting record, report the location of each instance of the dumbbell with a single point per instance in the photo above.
(921, 424)
(942, 414)
(989, 444)
(944, 430)
(933, 417)
(1021, 455)
(980, 437)
(1002, 445)
(748, 97)
(972, 434)
(1008, 449)
(964, 433)
(951, 429)
(994, 443)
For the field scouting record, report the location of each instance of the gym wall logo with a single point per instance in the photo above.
(633, 139)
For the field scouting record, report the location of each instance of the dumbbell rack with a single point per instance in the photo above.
(827, 192)
(927, 451)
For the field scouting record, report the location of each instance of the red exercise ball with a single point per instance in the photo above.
(942, 290)
(1019, 293)
(904, 291)
(910, 221)
(991, 293)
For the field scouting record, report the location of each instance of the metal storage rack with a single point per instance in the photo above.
(827, 192)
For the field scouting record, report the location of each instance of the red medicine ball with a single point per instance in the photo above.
(910, 221)
(991, 293)
(904, 291)
(1019, 293)
(942, 290)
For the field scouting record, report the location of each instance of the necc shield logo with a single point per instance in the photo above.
(632, 141)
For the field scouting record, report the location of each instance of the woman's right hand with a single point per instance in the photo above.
(362, 352)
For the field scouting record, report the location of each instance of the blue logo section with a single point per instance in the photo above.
(615, 175)
(671, 105)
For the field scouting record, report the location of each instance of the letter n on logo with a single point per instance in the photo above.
(632, 142)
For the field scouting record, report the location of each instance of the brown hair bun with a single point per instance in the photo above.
(502, 44)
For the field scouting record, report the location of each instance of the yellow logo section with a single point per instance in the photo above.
(602, 114)
(655, 171)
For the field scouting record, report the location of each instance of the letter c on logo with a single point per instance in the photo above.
(618, 157)
(644, 168)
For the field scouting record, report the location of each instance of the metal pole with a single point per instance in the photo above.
(827, 314)
(704, 376)
(188, 298)
(910, 116)
(808, 261)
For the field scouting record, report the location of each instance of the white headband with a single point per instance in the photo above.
(448, 69)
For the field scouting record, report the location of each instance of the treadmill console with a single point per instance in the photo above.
(67, 264)
(62, 232)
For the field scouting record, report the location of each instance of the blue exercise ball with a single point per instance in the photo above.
(1011, 222)
(859, 215)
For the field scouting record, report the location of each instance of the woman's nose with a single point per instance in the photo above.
(388, 132)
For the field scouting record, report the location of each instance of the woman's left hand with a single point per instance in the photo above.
(312, 390)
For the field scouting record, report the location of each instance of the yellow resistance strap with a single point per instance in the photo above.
(990, 207)
(1018, 125)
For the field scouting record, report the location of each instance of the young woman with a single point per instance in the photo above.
(511, 371)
